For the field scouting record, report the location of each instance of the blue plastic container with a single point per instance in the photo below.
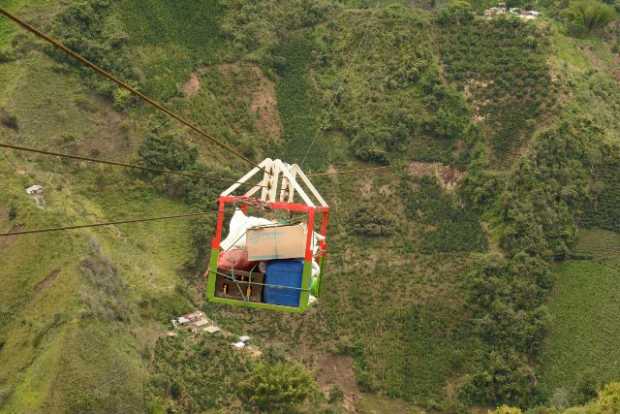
(283, 273)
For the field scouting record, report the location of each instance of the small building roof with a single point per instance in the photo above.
(200, 322)
(238, 345)
(33, 189)
(212, 329)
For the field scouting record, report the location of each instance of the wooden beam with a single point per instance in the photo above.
(245, 178)
(310, 186)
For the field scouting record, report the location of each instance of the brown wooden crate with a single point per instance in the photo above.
(227, 288)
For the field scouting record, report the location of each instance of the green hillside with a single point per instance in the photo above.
(477, 268)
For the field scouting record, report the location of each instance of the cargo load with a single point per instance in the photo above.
(276, 242)
(283, 282)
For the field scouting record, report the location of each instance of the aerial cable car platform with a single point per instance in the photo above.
(274, 254)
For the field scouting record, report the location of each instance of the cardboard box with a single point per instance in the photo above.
(276, 242)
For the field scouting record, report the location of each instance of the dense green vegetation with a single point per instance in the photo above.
(442, 291)
(298, 104)
(584, 17)
(192, 375)
(607, 401)
(604, 211)
(583, 307)
(164, 51)
(454, 228)
(500, 64)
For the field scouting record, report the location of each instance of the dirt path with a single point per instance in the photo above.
(47, 281)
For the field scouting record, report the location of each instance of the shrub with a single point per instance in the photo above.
(6, 391)
(7, 55)
(277, 388)
(365, 221)
(12, 212)
(201, 230)
(167, 153)
(506, 378)
(586, 389)
(104, 291)
(504, 409)
(608, 399)
(122, 99)
(454, 228)
(335, 395)
(587, 16)
(455, 12)
(194, 374)
(90, 28)
(8, 120)
(506, 300)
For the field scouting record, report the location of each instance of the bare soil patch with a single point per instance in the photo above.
(448, 177)
(265, 105)
(264, 102)
(47, 281)
(192, 86)
(7, 241)
(111, 135)
(336, 370)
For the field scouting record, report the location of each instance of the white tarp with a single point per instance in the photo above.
(239, 225)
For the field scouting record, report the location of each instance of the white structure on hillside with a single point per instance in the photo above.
(35, 190)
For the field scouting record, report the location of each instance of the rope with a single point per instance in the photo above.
(98, 160)
(126, 86)
(308, 150)
(109, 223)
(139, 167)
(233, 279)
(333, 104)
(349, 171)
(118, 164)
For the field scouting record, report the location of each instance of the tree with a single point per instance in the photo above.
(587, 16)
(167, 153)
(276, 388)
(586, 389)
(455, 12)
(12, 212)
(608, 401)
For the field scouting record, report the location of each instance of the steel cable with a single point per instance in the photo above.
(109, 223)
(126, 86)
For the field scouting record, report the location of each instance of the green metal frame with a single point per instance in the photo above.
(304, 297)
(306, 281)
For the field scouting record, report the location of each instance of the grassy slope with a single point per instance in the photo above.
(166, 51)
(54, 358)
(298, 105)
(585, 332)
(584, 301)
(584, 305)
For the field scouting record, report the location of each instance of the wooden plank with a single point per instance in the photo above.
(245, 178)
(310, 186)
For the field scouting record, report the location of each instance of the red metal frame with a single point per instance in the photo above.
(246, 202)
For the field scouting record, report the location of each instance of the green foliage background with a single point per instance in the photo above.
(443, 297)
